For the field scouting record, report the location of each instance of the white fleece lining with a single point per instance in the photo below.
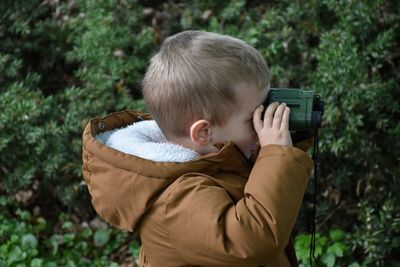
(144, 139)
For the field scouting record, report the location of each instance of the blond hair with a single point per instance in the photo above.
(196, 75)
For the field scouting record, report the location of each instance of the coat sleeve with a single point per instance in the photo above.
(208, 228)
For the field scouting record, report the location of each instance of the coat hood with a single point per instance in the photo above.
(146, 140)
(127, 164)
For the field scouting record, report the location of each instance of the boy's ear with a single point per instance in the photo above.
(200, 132)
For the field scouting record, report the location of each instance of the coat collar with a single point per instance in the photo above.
(228, 159)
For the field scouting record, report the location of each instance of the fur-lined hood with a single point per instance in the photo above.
(144, 139)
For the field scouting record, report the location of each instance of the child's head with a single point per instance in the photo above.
(200, 75)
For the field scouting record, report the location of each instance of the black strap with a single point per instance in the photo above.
(313, 259)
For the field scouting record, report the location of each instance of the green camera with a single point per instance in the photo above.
(306, 108)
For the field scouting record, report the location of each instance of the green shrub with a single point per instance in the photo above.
(33, 241)
(359, 143)
(378, 236)
(42, 121)
(331, 250)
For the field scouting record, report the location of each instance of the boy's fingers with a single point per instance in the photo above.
(285, 119)
(269, 114)
(278, 116)
(257, 121)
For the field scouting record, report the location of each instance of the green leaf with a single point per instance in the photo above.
(70, 263)
(101, 237)
(36, 262)
(29, 241)
(24, 215)
(32, 252)
(135, 249)
(336, 235)
(330, 260)
(50, 264)
(40, 224)
(67, 225)
(16, 255)
(54, 240)
(337, 249)
(69, 238)
(87, 233)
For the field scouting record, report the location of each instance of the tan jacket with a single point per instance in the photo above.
(217, 210)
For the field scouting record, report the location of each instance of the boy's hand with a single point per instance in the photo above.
(274, 128)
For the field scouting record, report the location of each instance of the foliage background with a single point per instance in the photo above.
(63, 62)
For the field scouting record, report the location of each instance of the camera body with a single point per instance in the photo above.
(306, 108)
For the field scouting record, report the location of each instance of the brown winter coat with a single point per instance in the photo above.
(217, 210)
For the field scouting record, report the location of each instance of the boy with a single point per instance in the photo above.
(184, 176)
